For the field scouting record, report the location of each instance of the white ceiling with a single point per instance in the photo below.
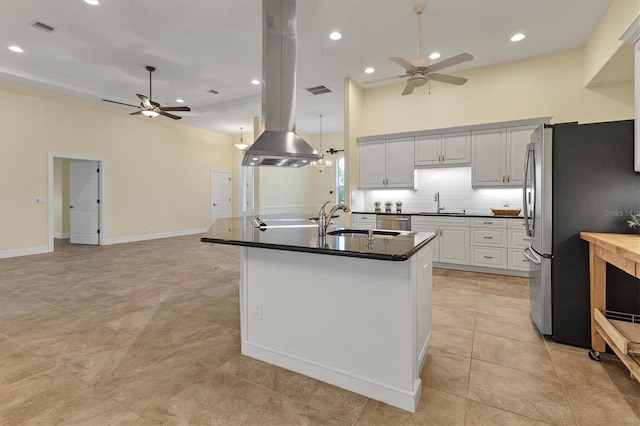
(197, 45)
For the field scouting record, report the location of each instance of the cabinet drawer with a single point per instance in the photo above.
(489, 257)
(363, 217)
(480, 222)
(488, 237)
(515, 223)
(517, 261)
(432, 221)
(518, 239)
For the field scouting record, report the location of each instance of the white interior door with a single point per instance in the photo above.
(84, 190)
(220, 195)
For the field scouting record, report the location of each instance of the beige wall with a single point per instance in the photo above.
(353, 127)
(156, 172)
(548, 85)
(605, 55)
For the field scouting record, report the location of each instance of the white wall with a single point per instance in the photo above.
(456, 194)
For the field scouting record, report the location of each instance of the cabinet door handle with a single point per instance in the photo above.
(488, 257)
(487, 238)
(487, 223)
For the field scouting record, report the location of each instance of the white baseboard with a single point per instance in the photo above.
(145, 237)
(23, 252)
(62, 235)
(472, 268)
(389, 394)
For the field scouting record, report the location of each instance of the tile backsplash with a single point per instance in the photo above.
(456, 194)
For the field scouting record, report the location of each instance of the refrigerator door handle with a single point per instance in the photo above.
(529, 228)
(529, 254)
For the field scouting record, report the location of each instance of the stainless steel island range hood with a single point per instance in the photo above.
(279, 145)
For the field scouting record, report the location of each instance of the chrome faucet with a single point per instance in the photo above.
(324, 218)
(437, 200)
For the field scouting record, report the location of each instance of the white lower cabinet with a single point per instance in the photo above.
(518, 241)
(452, 237)
(363, 221)
(489, 242)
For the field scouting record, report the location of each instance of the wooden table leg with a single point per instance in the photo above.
(598, 286)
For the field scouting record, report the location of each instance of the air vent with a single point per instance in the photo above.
(213, 92)
(318, 90)
(42, 26)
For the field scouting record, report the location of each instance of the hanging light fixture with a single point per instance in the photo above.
(321, 165)
(241, 145)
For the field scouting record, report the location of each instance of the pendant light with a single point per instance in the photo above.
(321, 165)
(242, 146)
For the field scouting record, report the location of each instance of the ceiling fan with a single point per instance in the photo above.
(150, 108)
(422, 70)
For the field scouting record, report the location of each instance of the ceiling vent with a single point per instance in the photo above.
(42, 26)
(318, 90)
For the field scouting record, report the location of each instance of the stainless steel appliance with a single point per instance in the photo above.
(577, 178)
(392, 221)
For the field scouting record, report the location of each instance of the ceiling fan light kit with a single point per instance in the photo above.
(422, 71)
(150, 108)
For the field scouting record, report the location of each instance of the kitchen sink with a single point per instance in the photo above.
(362, 233)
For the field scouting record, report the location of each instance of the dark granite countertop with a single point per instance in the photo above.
(447, 214)
(296, 232)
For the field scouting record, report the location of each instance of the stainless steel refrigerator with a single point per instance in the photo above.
(578, 177)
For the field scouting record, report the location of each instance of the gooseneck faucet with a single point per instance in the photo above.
(437, 200)
(324, 218)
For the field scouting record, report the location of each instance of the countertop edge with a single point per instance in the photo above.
(326, 251)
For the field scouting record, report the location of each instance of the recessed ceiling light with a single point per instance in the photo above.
(255, 81)
(92, 2)
(369, 70)
(434, 55)
(335, 35)
(15, 49)
(517, 37)
(180, 101)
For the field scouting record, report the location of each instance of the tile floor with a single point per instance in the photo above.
(148, 333)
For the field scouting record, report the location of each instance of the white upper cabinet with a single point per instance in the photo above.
(387, 163)
(518, 138)
(444, 149)
(498, 156)
(372, 164)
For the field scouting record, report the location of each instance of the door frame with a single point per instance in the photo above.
(50, 195)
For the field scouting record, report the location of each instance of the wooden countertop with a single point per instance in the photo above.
(626, 245)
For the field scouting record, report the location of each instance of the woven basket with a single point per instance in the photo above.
(506, 212)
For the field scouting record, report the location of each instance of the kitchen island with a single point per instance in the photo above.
(352, 310)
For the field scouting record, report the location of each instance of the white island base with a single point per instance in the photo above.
(361, 324)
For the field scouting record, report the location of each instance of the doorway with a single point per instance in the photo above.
(220, 195)
(76, 200)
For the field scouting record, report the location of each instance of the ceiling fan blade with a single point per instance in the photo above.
(404, 63)
(386, 79)
(408, 89)
(155, 104)
(145, 100)
(449, 62)
(120, 103)
(166, 114)
(448, 79)
(136, 113)
(176, 108)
